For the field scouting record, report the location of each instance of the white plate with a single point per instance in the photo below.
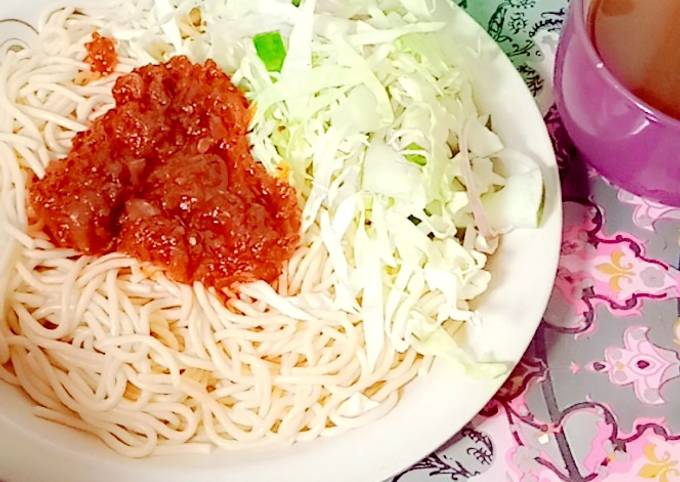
(432, 408)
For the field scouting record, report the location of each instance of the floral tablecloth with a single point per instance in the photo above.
(596, 396)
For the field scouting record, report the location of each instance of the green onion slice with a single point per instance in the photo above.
(271, 50)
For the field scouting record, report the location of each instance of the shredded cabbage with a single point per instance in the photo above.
(397, 170)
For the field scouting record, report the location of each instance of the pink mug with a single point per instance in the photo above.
(629, 142)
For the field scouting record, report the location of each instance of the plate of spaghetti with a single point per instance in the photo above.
(252, 240)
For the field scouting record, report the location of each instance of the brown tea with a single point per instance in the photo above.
(639, 42)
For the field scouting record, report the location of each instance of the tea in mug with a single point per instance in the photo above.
(639, 42)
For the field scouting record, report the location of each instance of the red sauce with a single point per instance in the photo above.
(101, 54)
(167, 177)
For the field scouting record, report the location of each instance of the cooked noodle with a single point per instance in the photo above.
(111, 347)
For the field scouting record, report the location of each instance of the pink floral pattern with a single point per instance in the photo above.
(647, 213)
(596, 269)
(640, 363)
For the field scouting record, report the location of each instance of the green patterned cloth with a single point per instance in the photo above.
(515, 24)
(528, 31)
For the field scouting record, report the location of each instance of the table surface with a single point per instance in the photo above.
(594, 397)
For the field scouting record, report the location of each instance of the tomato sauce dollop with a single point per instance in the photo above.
(101, 54)
(167, 177)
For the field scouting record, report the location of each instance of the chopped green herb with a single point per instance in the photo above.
(414, 220)
(418, 159)
(270, 49)
(296, 3)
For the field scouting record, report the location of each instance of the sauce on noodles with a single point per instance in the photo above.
(101, 54)
(167, 177)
